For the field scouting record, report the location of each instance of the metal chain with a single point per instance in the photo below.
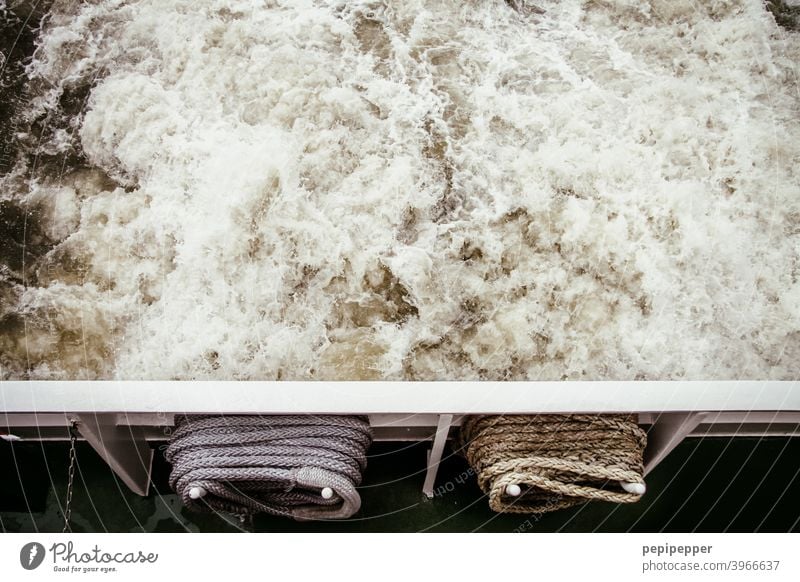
(73, 437)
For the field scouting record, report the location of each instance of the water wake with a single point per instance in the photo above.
(418, 190)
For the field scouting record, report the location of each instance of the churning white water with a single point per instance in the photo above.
(330, 189)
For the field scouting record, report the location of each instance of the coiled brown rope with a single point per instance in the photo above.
(304, 467)
(556, 461)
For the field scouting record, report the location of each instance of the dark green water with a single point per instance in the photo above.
(709, 485)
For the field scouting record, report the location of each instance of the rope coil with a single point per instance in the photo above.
(304, 467)
(541, 463)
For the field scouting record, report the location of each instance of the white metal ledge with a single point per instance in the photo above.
(119, 418)
(397, 397)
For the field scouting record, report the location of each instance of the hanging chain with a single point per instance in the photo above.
(73, 437)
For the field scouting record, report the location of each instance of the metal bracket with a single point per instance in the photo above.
(667, 432)
(124, 448)
(435, 455)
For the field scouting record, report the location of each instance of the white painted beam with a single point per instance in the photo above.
(397, 397)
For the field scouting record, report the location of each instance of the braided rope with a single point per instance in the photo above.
(272, 464)
(557, 460)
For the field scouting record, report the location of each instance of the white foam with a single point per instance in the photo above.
(603, 190)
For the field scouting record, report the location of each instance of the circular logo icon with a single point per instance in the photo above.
(31, 555)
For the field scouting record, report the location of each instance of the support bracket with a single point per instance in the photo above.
(124, 448)
(435, 456)
(666, 433)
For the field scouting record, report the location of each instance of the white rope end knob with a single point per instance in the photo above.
(635, 488)
(197, 492)
(11, 438)
(327, 493)
(514, 490)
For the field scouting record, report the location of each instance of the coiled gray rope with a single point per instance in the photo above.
(280, 465)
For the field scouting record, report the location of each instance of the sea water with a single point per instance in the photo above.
(417, 190)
